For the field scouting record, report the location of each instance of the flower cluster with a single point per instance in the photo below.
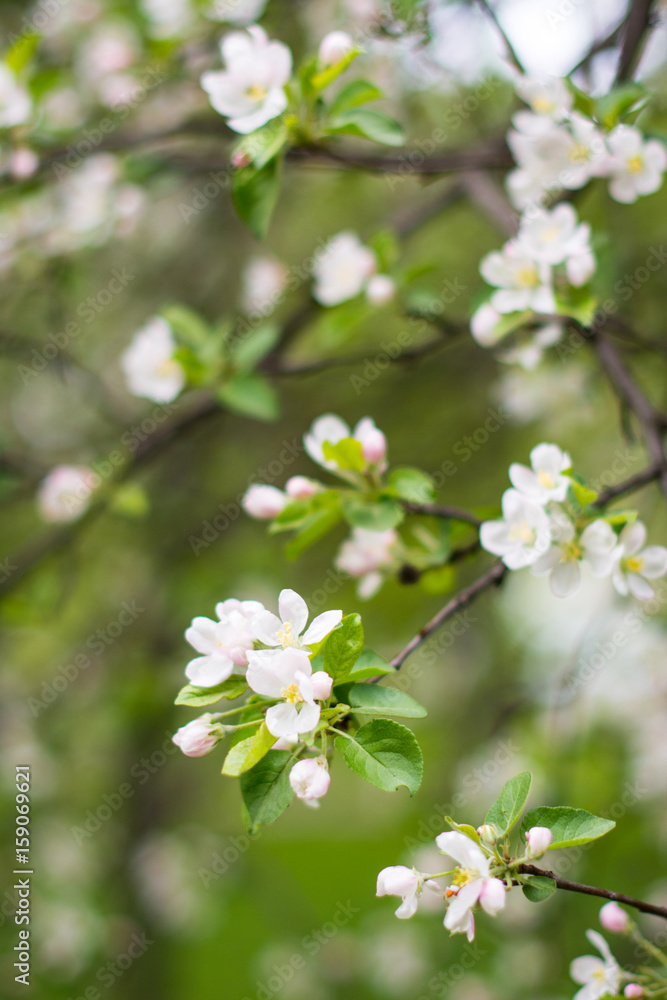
(534, 274)
(558, 147)
(345, 269)
(548, 523)
(149, 365)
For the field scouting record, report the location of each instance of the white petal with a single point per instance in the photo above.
(492, 896)
(263, 678)
(265, 627)
(322, 625)
(585, 968)
(524, 479)
(654, 562)
(293, 608)
(207, 671)
(633, 537)
(463, 850)
(565, 579)
(202, 635)
(408, 908)
(639, 587)
(495, 537)
(282, 720)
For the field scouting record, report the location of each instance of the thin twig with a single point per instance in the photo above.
(443, 510)
(643, 478)
(634, 34)
(591, 890)
(510, 48)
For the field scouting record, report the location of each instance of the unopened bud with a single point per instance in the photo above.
(334, 47)
(634, 991)
(538, 841)
(613, 918)
(380, 289)
(374, 446)
(264, 502)
(300, 488)
(488, 834)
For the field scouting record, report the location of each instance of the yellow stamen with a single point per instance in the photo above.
(546, 480)
(284, 635)
(571, 552)
(527, 276)
(522, 533)
(292, 694)
(543, 105)
(635, 164)
(634, 565)
(257, 92)
(580, 154)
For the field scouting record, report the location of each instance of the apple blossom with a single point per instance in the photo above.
(286, 632)
(224, 644)
(538, 841)
(635, 166)
(15, 101)
(598, 977)
(263, 502)
(380, 289)
(65, 494)
(472, 883)
(365, 554)
(596, 545)
(199, 737)
(407, 883)
(287, 677)
(331, 429)
(343, 269)
(522, 282)
(23, 162)
(546, 97)
(237, 11)
(635, 565)
(544, 481)
(552, 236)
(310, 780)
(262, 284)
(334, 47)
(250, 91)
(634, 991)
(614, 918)
(149, 364)
(484, 325)
(301, 488)
(322, 685)
(522, 535)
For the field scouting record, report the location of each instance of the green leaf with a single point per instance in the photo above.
(439, 580)
(412, 484)
(347, 454)
(265, 143)
(613, 107)
(320, 81)
(620, 517)
(266, 789)
(372, 699)
(371, 125)
(578, 303)
(385, 754)
(466, 828)
(386, 247)
(249, 351)
(197, 697)
(583, 102)
(369, 664)
(248, 751)
(507, 808)
(316, 526)
(537, 888)
(255, 193)
(22, 51)
(377, 515)
(582, 493)
(569, 826)
(189, 328)
(291, 516)
(342, 647)
(352, 95)
(250, 394)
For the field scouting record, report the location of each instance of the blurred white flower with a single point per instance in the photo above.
(407, 883)
(598, 977)
(380, 289)
(635, 565)
(523, 534)
(342, 270)
(365, 555)
(241, 12)
(522, 282)
(331, 429)
(549, 96)
(15, 101)
(263, 502)
(66, 492)
(168, 18)
(334, 47)
(544, 480)
(636, 166)
(262, 284)
(149, 365)
(310, 780)
(250, 91)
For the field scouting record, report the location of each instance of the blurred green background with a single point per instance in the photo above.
(169, 877)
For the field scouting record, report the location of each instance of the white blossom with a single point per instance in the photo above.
(522, 282)
(224, 644)
(149, 364)
(472, 883)
(635, 565)
(407, 883)
(250, 91)
(334, 47)
(342, 269)
(551, 237)
(522, 535)
(331, 429)
(596, 545)
(237, 11)
(484, 325)
(15, 101)
(549, 96)
(263, 501)
(310, 780)
(635, 166)
(65, 494)
(598, 977)
(262, 284)
(544, 481)
(380, 289)
(365, 555)
(285, 676)
(289, 631)
(199, 737)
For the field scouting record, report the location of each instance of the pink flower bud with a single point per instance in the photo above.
(538, 840)
(300, 488)
(488, 834)
(334, 47)
(634, 991)
(23, 163)
(199, 736)
(380, 289)
(374, 446)
(613, 918)
(241, 159)
(322, 685)
(263, 502)
(310, 780)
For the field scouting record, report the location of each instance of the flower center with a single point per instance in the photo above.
(635, 164)
(543, 105)
(546, 480)
(462, 876)
(527, 276)
(580, 154)
(571, 552)
(522, 532)
(256, 92)
(549, 235)
(599, 974)
(167, 367)
(634, 565)
(292, 694)
(285, 637)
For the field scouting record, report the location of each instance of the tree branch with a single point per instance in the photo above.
(634, 33)
(442, 510)
(510, 48)
(591, 890)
